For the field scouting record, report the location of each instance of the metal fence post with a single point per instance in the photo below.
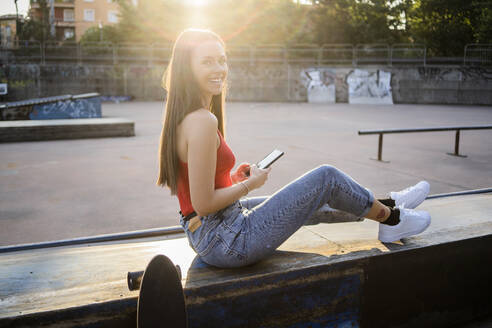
(252, 55)
(425, 55)
(288, 82)
(43, 52)
(152, 57)
(79, 54)
(464, 55)
(354, 56)
(391, 56)
(125, 81)
(113, 48)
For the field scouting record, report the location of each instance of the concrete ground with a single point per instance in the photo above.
(73, 188)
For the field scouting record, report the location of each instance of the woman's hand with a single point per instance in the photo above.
(257, 177)
(241, 174)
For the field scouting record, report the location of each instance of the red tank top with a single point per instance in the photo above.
(225, 163)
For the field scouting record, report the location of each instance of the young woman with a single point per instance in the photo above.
(225, 229)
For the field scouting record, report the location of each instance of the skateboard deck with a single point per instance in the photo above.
(161, 300)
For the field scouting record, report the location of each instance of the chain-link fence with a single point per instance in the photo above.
(478, 54)
(106, 53)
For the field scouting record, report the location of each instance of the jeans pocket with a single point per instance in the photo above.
(233, 237)
(222, 255)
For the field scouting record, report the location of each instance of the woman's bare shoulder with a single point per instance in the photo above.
(200, 119)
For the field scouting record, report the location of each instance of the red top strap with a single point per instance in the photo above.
(225, 163)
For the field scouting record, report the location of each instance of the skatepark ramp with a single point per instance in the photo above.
(60, 117)
(323, 276)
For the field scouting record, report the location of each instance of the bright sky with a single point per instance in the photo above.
(8, 7)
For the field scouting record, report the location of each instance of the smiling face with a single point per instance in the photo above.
(209, 66)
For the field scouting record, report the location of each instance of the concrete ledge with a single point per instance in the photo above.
(437, 279)
(37, 130)
(434, 286)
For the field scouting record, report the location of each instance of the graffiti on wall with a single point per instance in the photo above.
(369, 87)
(79, 108)
(320, 85)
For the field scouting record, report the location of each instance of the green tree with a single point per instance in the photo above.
(482, 31)
(107, 33)
(359, 21)
(445, 26)
(37, 28)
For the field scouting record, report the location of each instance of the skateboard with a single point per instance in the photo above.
(161, 300)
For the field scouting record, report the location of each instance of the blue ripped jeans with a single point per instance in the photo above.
(251, 229)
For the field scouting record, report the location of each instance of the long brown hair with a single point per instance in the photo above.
(183, 97)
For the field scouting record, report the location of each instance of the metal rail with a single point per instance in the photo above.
(106, 52)
(161, 231)
(461, 193)
(26, 51)
(414, 130)
(96, 239)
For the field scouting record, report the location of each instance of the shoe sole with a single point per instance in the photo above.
(403, 235)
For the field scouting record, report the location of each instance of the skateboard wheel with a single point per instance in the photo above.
(134, 279)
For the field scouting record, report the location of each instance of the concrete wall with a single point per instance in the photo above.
(261, 82)
(443, 85)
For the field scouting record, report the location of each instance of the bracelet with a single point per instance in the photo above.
(245, 186)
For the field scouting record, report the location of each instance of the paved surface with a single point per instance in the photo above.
(72, 188)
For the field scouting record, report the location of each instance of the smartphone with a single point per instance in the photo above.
(270, 159)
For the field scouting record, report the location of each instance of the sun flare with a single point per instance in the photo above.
(196, 3)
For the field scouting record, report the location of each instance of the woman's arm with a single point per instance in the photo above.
(202, 160)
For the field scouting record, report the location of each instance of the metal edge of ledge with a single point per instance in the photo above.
(95, 239)
(461, 193)
(162, 231)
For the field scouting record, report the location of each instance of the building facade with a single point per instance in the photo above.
(64, 16)
(8, 30)
(90, 13)
(72, 18)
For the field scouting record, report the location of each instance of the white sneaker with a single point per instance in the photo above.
(412, 222)
(411, 197)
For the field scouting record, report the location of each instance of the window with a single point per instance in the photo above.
(113, 16)
(89, 15)
(68, 33)
(135, 2)
(68, 15)
(8, 34)
(88, 0)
